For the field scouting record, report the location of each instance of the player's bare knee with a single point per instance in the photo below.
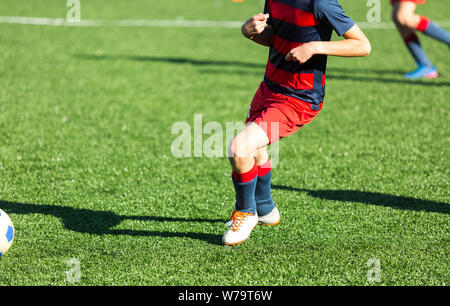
(239, 163)
(399, 18)
(404, 19)
(261, 155)
(238, 149)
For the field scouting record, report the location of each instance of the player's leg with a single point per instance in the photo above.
(268, 214)
(404, 14)
(403, 17)
(408, 35)
(271, 117)
(261, 156)
(407, 17)
(244, 147)
(242, 152)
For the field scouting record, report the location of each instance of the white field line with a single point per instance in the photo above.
(121, 22)
(161, 23)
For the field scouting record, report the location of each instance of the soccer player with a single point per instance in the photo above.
(298, 33)
(407, 22)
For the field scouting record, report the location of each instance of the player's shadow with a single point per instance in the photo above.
(339, 73)
(170, 60)
(374, 198)
(364, 76)
(101, 222)
(388, 80)
(377, 71)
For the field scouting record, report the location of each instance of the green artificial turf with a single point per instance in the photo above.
(87, 172)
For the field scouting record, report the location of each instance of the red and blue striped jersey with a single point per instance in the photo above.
(296, 22)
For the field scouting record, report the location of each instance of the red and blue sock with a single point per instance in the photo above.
(263, 194)
(413, 44)
(433, 30)
(244, 186)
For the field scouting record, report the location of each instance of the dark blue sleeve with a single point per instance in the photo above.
(332, 13)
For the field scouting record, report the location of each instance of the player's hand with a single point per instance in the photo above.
(301, 54)
(255, 25)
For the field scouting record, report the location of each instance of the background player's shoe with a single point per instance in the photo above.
(240, 227)
(423, 72)
(272, 218)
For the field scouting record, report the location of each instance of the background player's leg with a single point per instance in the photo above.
(404, 17)
(407, 17)
(412, 42)
(404, 14)
(400, 16)
(431, 29)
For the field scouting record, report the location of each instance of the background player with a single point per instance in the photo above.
(291, 95)
(407, 22)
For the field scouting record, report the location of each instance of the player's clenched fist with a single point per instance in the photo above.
(301, 54)
(255, 25)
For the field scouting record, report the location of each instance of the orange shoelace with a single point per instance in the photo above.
(238, 217)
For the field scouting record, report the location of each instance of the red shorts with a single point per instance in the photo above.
(415, 1)
(279, 115)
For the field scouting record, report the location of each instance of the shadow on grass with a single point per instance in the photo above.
(371, 79)
(342, 77)
(100, 222)
(170, 60)
(339, 73)
(374, 198)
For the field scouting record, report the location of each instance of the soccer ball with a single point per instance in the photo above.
(6, 232)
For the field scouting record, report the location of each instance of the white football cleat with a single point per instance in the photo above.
(240, 227)
(272, 218)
